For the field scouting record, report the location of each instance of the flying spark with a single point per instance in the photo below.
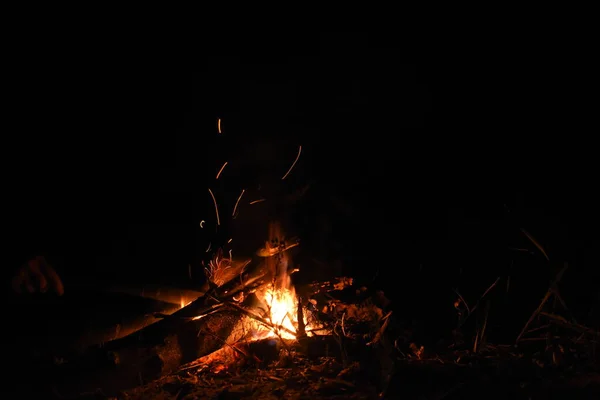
(219, 125)
(221, 170)
(208, 248)
(237, 202)
(257, 201)
(295, 161)
(229, 241)
(202, 224)
(216, 208)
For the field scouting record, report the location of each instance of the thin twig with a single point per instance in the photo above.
(463, 300)
(300, 317)
(490, 288)
(558, 297)
(482, 332)
(535, 313)
(544, 300)
(539, 328)
(479, 301)
(259, 318)
(576, 327)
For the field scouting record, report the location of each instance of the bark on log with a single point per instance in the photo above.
(158, 350)
(162, 347)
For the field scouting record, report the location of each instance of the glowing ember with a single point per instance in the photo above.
(293, 164)
(221, 170)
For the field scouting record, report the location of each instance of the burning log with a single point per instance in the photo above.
(342, 359)
(174, 339)
(233, 313)
(157, 349)
(336, 284)
(226, 335)
(194, 331)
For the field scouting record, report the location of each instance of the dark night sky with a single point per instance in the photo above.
(114, 159)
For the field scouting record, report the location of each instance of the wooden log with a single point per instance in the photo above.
(153, 352)
(162, 347)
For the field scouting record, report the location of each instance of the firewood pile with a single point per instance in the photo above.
(349, 345)
(253, 334)
(321, 366)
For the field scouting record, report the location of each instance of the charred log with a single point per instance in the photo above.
(138, 359)
(158, 349)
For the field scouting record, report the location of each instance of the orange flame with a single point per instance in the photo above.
(280, 304)
(282, 314)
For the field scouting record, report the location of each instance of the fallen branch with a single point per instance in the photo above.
(192, 332)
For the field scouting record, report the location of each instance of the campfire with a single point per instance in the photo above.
(251, 315)
(253, 333)
(281, 314)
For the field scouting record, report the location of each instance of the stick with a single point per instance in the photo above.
(478, 301)
(536, 243)
(544, 300)
(481, 333)
(535, 313)
(300, 317)
(557, 319)
(381, 330)
(260, 319)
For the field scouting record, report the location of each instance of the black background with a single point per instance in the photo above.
(107, 161)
